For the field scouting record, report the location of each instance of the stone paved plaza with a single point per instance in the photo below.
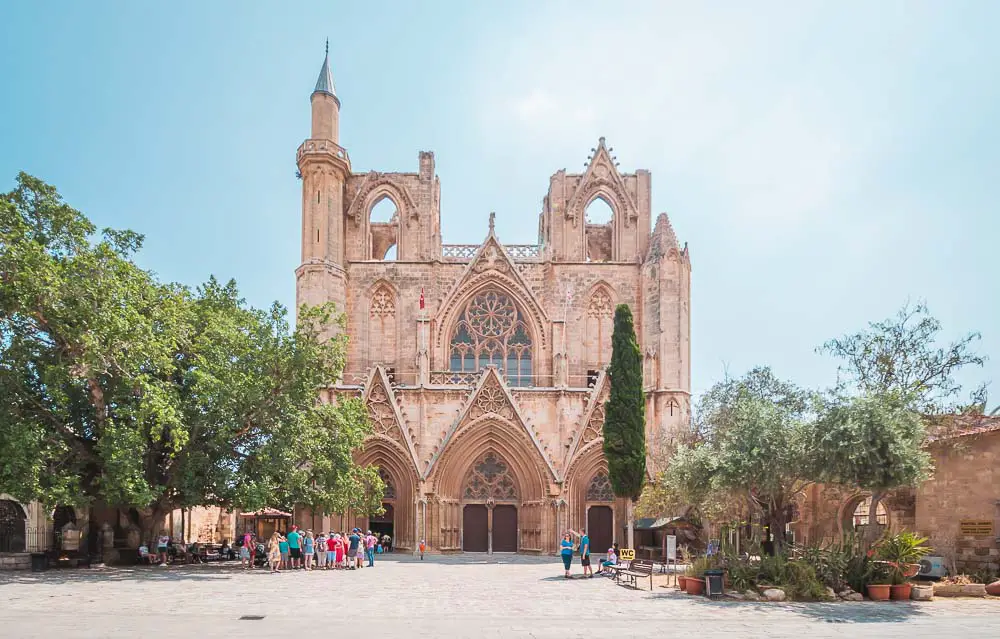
(441, 597)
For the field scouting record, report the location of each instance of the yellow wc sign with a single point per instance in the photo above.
(627, 554)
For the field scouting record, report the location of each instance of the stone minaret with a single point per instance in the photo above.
(324, 167)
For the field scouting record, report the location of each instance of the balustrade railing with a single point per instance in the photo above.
(322, 146)
(465, 252)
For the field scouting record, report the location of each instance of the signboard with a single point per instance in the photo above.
(672, 547)
(627, 554)
(976, 528)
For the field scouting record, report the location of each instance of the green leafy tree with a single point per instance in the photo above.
(120, 388)
(625, 415)
(753, 450)
(900, 356)
(872, 442)
(893, 376)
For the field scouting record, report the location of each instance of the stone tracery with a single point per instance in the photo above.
(383, 303)
(600, 488)
(491, 331)
(490, 478)
(390, 487)
(381, 412)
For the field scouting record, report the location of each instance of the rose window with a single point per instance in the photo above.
(492, 332)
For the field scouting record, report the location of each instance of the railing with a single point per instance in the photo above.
(523, 251)
(450, 378)
(459, 251)
(322, 146)
(22, 539)
(465, 252)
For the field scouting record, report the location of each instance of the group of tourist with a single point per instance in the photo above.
(568, 547)
(305, 550)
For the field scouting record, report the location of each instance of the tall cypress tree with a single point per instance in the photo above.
(625, 414)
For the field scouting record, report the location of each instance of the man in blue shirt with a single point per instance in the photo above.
(585, 554)
(352, 551)
(294, 548)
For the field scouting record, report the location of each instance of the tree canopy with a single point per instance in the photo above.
(121, 388)
(751, 451)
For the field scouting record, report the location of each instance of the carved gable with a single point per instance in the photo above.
(602, 177)
(387, 422)
(491, 398)
(591, 425)
(491, 265)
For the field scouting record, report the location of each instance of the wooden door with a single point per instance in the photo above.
(600, 529)
(475, 528)
(505, 528)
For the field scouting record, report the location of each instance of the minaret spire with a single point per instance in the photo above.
(324, 83)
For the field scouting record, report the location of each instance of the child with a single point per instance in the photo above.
(274, 552)
(422, 548)
(609, 561)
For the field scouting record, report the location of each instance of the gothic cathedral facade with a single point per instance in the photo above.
(483, 366)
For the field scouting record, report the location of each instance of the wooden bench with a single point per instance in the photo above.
(638, 568)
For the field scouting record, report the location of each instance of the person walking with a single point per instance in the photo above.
(566, 552)
(295, 546)
(308, 550)
(274, 553)
(423, 547)
(245, 559)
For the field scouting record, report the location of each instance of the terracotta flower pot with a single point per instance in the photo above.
(994, 588)
(694, 586)
(878, 592)
(900, 591)
(681, 581)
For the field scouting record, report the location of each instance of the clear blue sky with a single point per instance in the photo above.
(826, 161)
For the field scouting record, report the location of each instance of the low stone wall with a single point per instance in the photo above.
(15, 561)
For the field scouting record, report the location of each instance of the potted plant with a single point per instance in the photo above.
(686, 560)
(901, 553)
(695, 583)
(879, 586)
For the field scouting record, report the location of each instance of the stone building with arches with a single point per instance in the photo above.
(483, 366)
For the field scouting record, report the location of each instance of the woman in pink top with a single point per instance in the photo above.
(339, 549)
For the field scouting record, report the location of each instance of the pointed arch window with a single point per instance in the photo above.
(490, 478)
(600, 488)
(491, 331)
(390, 488)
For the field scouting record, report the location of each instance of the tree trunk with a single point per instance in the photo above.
(153, 523)
(872, 530)
(628, 516)
(776, 525)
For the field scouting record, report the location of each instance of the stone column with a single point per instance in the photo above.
(559, 363)
(423, 359)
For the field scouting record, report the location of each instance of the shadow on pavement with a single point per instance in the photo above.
(843, 612)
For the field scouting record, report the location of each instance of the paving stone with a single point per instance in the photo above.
(461, 596)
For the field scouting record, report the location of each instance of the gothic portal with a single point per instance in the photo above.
(482, 366)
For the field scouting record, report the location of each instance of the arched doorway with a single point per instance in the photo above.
(382, 524)
(12, 526)
(61, 516)
(600, 517)
(489, 515)
(398, 503)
